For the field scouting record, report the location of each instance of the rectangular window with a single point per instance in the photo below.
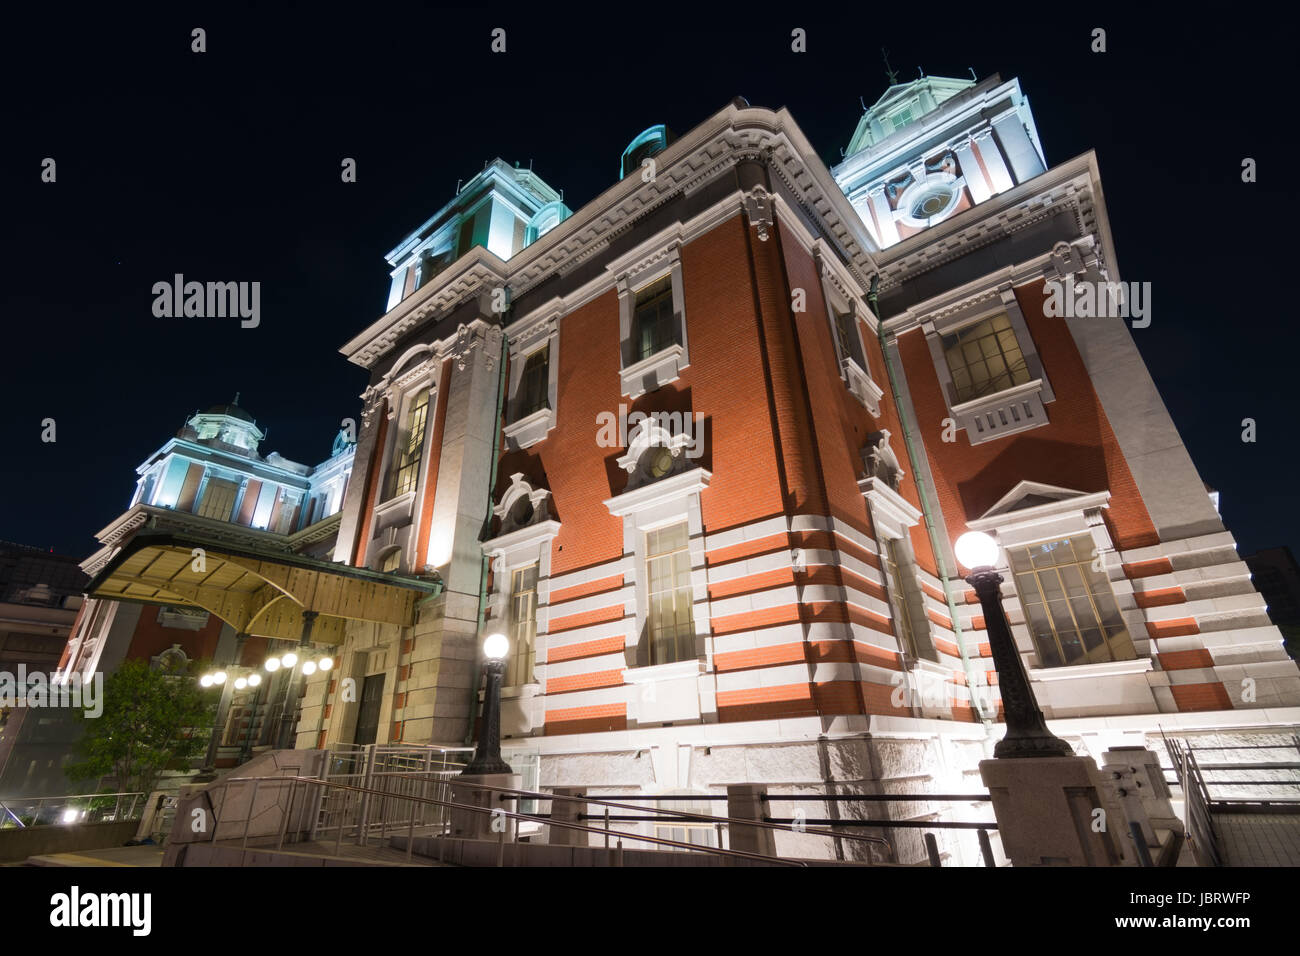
(535, 384)
(652, 318)
(410, 445)
(1068, 603)
(523, 627)
(984, 358)
(894, 565)
(846, 332)
(670, 623)
(219, 499)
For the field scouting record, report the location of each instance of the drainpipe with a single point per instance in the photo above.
(941, 564)
(483, 573)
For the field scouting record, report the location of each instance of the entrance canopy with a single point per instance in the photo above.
(264, 593)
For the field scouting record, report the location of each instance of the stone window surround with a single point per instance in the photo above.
(529, 430)
(398, 511)
(660, 504)
(892, 517)
(662, 258)
(835, 292)
(512, 552)
(1054, 521)
(977, 308)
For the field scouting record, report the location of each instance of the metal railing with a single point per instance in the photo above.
(664, 816)
(810, 825)
(1197, 820)
(69, 810)
(307, 792)
(390, 774)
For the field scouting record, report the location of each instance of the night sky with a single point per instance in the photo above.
(225, 166)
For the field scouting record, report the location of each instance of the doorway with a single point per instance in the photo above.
(372, 696)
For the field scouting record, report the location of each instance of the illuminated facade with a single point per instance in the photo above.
(665, 444)
(210, 484)
(747, 582)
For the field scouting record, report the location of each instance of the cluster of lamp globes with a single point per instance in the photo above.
(272, 664)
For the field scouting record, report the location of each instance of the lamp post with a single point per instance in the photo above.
(487, 753)
(1027, 734)
(231, 679)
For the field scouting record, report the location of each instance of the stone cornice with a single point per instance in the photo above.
(733, 135)
(1071, 188)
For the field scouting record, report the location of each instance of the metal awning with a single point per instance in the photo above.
(264, 593)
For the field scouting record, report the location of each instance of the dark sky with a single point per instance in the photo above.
(225, 166)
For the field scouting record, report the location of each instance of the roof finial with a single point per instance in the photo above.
(236, 401)
(892, 74)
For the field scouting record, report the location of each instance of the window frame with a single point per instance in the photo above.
(521, 661)
(528, 336)
(842, 298)
(640, 374)
(1090, 593)
(402, 443)
(682, 646)
(1005, 412)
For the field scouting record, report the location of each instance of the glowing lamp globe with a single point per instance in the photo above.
(205, 680)
(325, 663)
(254, 680)
(975, 549)
(495, 647)
(241, 683)
(272, 664)
(309, 667)
(219, 677)
(289, 659)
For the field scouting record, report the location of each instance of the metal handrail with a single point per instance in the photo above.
(35, 805)
(294, 780)
(678, 814)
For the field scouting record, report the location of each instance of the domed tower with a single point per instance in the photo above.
(225, 426)
(936, 146)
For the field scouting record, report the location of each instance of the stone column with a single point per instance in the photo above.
(568, 811)
(745, 802)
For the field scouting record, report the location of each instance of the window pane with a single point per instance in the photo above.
(534, 386)
(988, 353)
(1080, 622)
(654, 325)
(670, 621)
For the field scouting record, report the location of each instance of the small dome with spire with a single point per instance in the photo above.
(232, 410)
(227, 426)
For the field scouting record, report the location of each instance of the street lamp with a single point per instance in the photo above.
(487, 755)
(1027, 734)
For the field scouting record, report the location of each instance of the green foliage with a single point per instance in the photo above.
(150, 719)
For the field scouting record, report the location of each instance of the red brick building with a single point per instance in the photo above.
(701, 447)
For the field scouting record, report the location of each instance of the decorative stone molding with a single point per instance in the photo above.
(758, 209)
(522, 505)
(666, 490)
(643, 456)
(525, 431)
(638, 376)
(840, 299)
(734, 134)
(880, 461)
(1011, 410)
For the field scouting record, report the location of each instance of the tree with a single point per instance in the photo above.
(151, 718)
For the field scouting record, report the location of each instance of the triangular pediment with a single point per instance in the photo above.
(1033, 494)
